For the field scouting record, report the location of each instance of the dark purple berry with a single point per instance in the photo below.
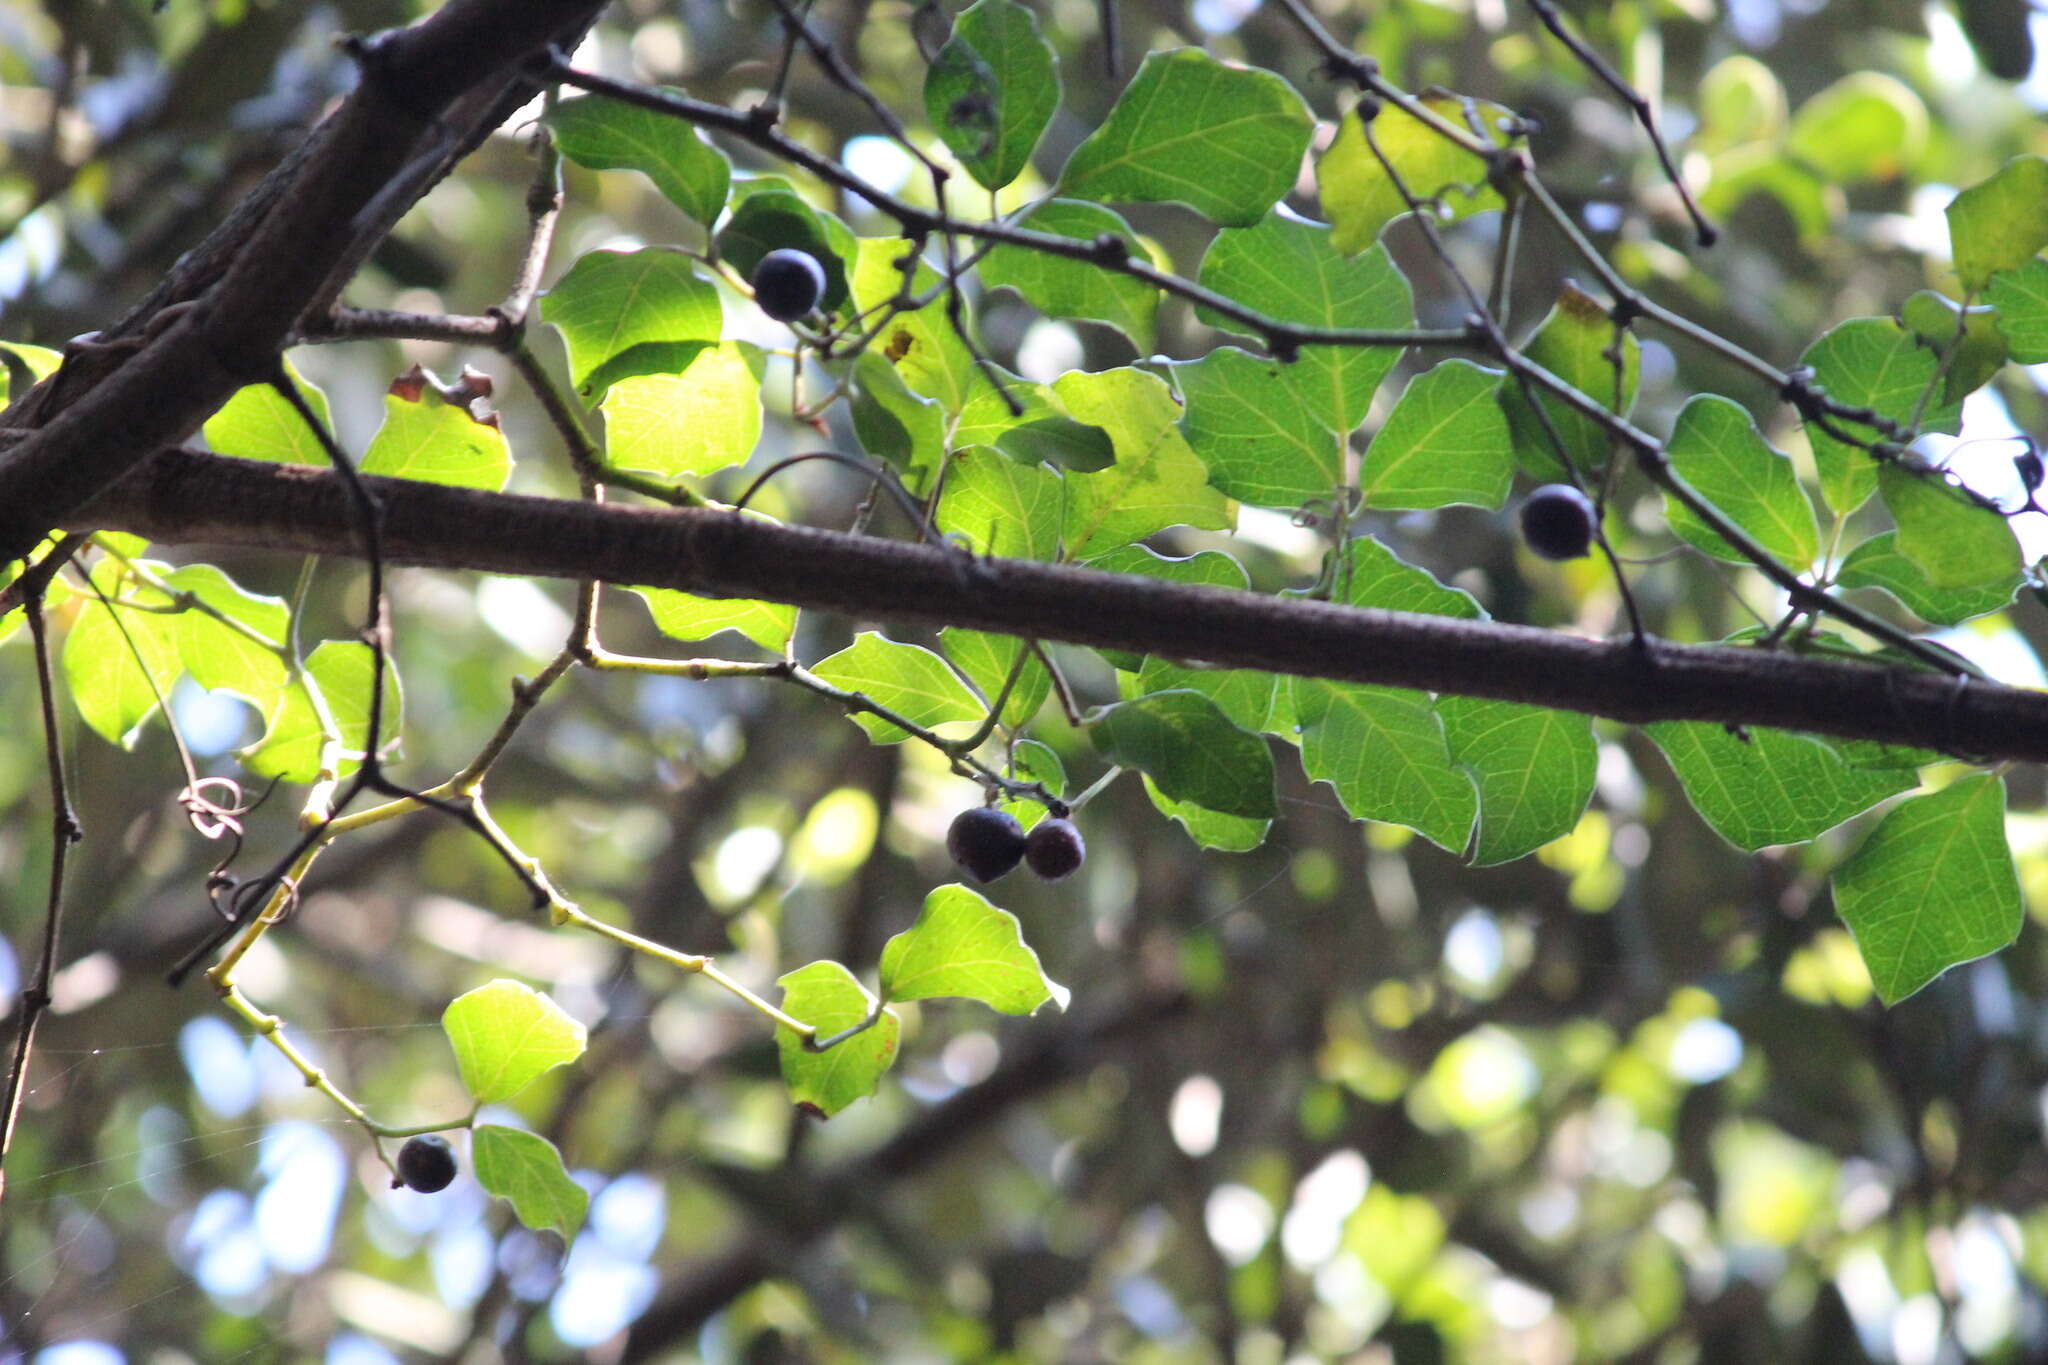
(425, 1164)
(788, 284)
(2028, 465)
(1054, 848)
(985, 842)
(1557, 521)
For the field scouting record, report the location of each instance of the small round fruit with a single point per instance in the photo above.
(788, 284)
(985, 842)
(1054, 849)
(425, 1164)
(1557, 521)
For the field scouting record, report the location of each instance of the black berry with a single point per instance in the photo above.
(788, 284)
(425, 1164)
(2027, 464)
(985, 842)
(1054, 848)
(1557, 521)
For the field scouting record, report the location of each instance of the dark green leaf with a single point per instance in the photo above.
(606, 135)
(1226, 141)
(1184, 742)
(1982, 352)
(1383, 749)
(1262, 445)
(992, 89)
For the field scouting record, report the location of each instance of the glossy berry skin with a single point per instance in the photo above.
(985, 842)
(1557, 521)
(425, 1164)
(1054, 849)
(788, 284)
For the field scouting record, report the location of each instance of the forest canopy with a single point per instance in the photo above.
(1261, 681)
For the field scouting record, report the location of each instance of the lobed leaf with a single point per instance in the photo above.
(961, 945)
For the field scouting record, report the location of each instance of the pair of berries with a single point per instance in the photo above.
(987, 843)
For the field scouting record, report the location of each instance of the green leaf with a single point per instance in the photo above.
(2021, 298)
(1291, 270)
(506, 1035)
(703, 417)
(613, 301)
(1740, 100)
(1810, 200)
(1954, 542)
(256, 423)
(1716, 447)
(963, 946)
(992, 89)
(526, 1170)
(2000, 223)
(908, 679)
(1226, 141)
(1208, 828)
(1866, 363)
(928, 355)
(826, 996)
(1932, 886)
(222, 658)
(1371, 575)
(1384, 751)
(607, 135)
(684, 616)
(1574, 343)
(340, 671)
(1063, 288)
(109, 674)
(894, 424)
(1361, 198)
(1210, 568)
(768, 216)
(1445, 442)
(1184, 742)
(434, 433)
(1244, 695)
(1866, 126)
(1877, 563)
(1534, 768)
(1772, 787)
(987, 660)
(1157, 481)
(1246, 423)
(1935, 320)
(1002, 507)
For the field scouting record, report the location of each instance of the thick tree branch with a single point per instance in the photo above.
(385, 145)
(188, 497)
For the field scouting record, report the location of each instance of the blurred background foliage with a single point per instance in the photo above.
(1340, 1098)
